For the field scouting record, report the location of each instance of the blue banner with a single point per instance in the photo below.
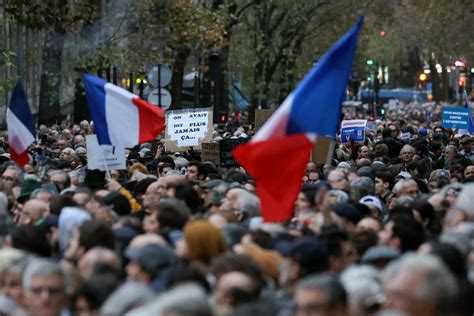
(455, 117)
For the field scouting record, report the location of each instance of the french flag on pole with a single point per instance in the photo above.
(277, 155)
(21, 130)
(121, 118)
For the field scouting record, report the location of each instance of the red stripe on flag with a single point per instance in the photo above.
(278, 166)
(21, 159)
(152, 120)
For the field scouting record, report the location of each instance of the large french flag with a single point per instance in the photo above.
(21, 130)
(121, 118)
(277, 155)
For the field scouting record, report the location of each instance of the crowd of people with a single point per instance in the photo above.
(386, 228)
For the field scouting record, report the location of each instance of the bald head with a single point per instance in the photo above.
(146, 239)
(407, 153)
(95, 257)
(33, 211)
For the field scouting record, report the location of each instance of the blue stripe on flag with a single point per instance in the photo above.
(19, 106)
(95, 94)
(317, 100)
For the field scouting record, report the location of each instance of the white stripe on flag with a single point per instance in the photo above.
(277, 123)
(122, 116)
(19, 137)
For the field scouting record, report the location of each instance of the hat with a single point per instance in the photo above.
(95, 179)
(145, 153)
(49, 222)
(233, 233)
(27, 187)
(379, 252)
(123, 235)
(403, 175)
(366, 172)
(310, 253)
(348, 211)
(422, 132)
(154, 259)
(372, 200)
(145, 145)
(440, 173)
(3, 158)
(118, 203)
(133, 155)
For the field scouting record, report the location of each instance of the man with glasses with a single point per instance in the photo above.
(12, 176)
(43, 283)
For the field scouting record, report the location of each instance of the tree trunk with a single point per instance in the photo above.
(49, 106)
(435, 81)
(182, 54)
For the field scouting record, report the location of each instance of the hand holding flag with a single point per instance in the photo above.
(277, 155)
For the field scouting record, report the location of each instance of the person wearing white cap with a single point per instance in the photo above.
(373, 203)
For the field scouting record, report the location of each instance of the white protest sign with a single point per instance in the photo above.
(104, 157)
(187, 127)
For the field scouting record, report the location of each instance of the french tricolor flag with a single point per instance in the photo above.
(21, 130)
(121, 118)
(277, 155)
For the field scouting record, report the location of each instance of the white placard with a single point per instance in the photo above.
(98, 156)
(188, 128)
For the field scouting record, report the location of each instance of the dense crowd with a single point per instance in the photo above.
(386, 228)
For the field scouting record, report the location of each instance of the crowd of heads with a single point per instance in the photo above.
(385, 228)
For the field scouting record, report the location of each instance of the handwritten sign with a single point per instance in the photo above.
(211, 152)
(189, 127)
(227, 160)
(104, 157)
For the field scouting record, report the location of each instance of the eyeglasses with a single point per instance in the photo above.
(51, 290)
(6, 178)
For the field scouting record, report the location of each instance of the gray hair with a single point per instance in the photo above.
(247, 202)
(364, 286)
(180, 162)
(335, 292)
(19, 171)
(404, 200)
(70, 151)
(35, 193)
(340, 195)
(65, 176)
(128, 296)
(398, 187)
(365, 185)
(42, 268)
(452, 148)
(186, 300)
(437, 284)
